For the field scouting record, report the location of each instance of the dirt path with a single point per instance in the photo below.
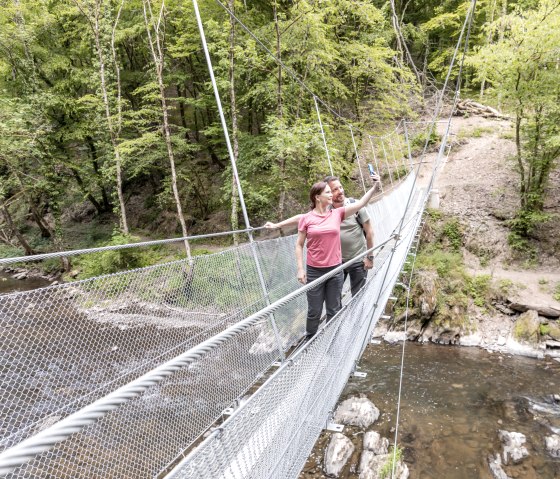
(478, 184)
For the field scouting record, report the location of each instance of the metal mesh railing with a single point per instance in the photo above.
(64, 347)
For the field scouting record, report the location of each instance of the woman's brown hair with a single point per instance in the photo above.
(315, 191)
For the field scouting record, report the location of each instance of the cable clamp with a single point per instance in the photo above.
(402, 285)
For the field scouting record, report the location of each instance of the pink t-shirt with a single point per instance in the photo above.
(323, 237)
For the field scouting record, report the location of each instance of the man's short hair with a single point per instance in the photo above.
(328, 179)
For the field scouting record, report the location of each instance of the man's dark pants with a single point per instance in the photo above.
(328, 292)
(358, 275)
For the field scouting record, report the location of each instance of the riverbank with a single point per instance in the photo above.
(454, 403)
(471, 285)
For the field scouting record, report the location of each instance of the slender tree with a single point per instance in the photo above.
(94, 13)
(154, 29)
(234, 127)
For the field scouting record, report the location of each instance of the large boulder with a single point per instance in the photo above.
(514, 450)
(356, 411)
(425, 292)
(526, 328)
(372, 465)
(375, 443)
(553, 330)
(338, 452)
(552, 444)
(547, 311)
(495, 465)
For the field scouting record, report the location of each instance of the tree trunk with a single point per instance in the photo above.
(278, 55)
(100, 183)
(234, 130)
(45, 230)
(522, 188)
(85, 191)
(22, 241)
(113, 129)
(488, 42)
(282, 200)
(157, 56)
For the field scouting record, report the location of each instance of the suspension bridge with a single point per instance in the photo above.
(190, 369)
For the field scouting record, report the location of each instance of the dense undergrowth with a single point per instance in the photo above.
(443, 291)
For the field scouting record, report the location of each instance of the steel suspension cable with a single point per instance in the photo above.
(467, 24)
(323, 135)
(357, 158)
(235, 173)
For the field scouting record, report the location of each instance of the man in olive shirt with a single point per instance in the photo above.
(356, 237)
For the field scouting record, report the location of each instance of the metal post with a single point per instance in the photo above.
(386, 162)
(407, 143)
(236, 175)
(357, 158)
(323, 134)
(375, 160)
(394, 158)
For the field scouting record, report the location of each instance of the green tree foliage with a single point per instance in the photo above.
(78, 86)
(521, 66)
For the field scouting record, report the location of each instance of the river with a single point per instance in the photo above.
(11, 285)
(454, 402)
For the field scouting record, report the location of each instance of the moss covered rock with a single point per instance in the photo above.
(554, 330)
(527, 327)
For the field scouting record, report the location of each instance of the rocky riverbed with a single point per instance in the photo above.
(465, 413)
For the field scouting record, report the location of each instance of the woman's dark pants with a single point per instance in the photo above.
(328, 292)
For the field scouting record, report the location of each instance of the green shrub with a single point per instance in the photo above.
(394, 458)
(434, 214)
(505, 286)
(525, 222)
(112, 261)
(518, 243)
(7, 251)
(418, 141)
(479, 288)
(480, 131)
(444, 263)
(556, 294)
(453, 232)
(544, 329)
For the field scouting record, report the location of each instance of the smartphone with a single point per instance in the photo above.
(370, 168)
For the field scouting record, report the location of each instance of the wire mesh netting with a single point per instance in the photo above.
(258, 441)
(65, 346)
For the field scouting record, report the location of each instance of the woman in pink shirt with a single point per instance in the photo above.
(321, 229)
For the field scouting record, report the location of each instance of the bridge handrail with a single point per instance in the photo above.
(47, 438)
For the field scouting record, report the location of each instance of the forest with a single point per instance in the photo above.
(110, 130)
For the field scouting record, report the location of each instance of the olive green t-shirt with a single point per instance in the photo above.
(352, 239)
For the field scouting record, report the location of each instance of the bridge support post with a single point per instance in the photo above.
(236, 176)
(323, 134)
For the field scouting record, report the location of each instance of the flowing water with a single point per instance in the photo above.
(454, 402)
(11, 285)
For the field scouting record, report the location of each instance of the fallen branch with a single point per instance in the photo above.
(474, 108)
